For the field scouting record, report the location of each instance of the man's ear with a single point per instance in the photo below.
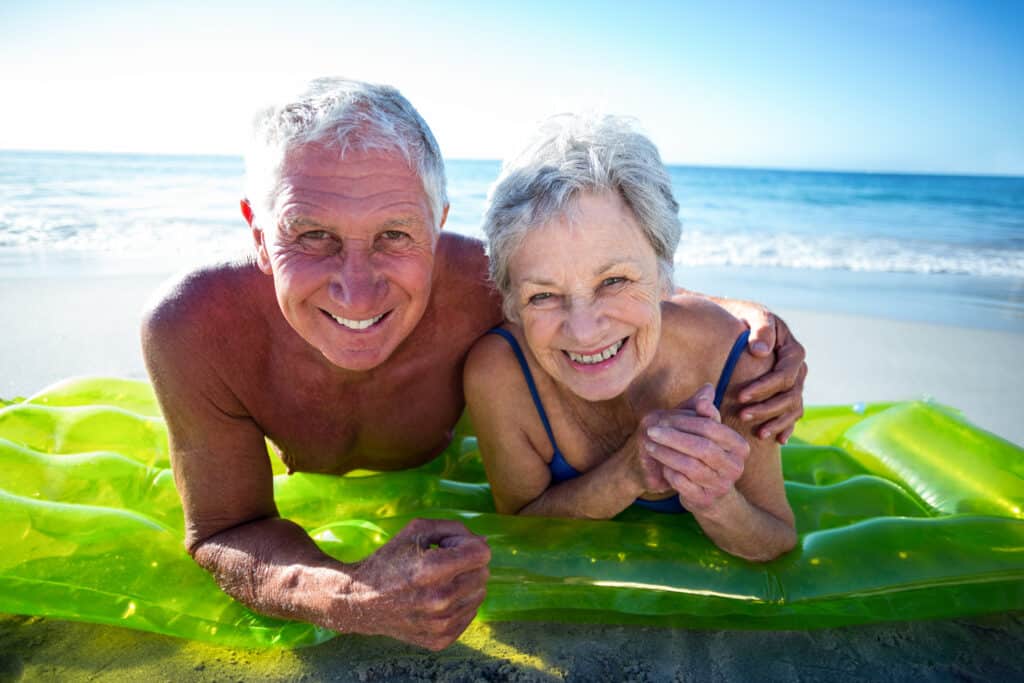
(258, 238)
(246, 211)
(444, 216)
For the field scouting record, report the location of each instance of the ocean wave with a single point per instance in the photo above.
(830, 252)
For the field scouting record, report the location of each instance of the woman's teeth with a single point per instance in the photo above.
(357, 324)
(597, 357)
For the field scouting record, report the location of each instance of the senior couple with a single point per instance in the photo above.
(359, 331)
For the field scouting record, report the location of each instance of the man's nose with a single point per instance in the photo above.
(356, 285)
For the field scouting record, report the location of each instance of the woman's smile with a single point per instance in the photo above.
(596, 360)
(592, 319)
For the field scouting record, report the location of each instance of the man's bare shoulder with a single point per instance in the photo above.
(205, 298)
(207, 317)
(463, 283)
(462, 258)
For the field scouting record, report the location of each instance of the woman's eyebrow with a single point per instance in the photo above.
(616, 263)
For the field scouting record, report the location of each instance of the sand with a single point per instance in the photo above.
(978, 649)
(59, 327)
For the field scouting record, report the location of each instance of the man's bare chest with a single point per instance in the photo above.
(400, 420)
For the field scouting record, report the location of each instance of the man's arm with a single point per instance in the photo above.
(774, 402)
(423, 586)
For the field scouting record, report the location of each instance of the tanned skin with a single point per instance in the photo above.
(243, 352)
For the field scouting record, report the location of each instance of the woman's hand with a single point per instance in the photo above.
(700, 458)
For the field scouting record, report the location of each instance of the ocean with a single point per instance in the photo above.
(943, 249)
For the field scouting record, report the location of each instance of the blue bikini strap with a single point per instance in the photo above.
(507, 336)
(730, 365)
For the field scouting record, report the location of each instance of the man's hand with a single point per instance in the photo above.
(776, 398)
(423, 586)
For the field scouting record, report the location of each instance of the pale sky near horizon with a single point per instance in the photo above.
(932, 87)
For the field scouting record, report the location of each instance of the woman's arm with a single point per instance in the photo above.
(515, 448)
(730, 480)
(775, 400)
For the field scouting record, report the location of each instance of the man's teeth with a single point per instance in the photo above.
(357, 324)
(597, 357)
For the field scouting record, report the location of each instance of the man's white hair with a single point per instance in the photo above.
(342, 114)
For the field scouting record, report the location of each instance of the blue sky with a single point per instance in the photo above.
(886, 86)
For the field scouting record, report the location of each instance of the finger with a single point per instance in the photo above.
(706, 394)
(780, 404)
(465, 591)
(779, 425)
(783, 376)
(691, 495)
(672, 425)
(787, 343)
(697, 470)
(783, 436)
(762, 332)
(445, 563)
(428, 532)
(706, 407)
(441, 634)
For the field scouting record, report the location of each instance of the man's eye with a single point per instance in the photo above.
(394, 235)
(314, 235)
(540, 298)
(611, 281)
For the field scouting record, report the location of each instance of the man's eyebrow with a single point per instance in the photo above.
(294, 222)
(297, 222)
(401, 222)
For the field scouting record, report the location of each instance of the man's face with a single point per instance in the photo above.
(352, 252)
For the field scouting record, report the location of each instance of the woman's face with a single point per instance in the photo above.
(587, 290)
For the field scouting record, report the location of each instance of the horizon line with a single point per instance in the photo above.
(739, 167)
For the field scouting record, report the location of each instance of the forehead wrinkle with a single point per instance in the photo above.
(303, 221)
(616, 263)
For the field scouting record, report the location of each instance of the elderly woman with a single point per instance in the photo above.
(603, 390)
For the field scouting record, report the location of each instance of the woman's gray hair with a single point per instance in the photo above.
(343, 114)
(571, 155)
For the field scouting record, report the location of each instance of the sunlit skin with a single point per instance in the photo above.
(608, 291)
(636, 423)
(353, 241)
(342, 343)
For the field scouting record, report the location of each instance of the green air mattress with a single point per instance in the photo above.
(905, 511)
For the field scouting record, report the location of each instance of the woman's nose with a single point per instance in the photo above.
(585, 322)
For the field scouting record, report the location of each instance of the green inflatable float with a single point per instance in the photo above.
(905, 511)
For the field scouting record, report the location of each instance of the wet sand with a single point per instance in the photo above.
(977, 649)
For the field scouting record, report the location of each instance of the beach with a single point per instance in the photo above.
(912, 293)
(87, 324)
(985, 648)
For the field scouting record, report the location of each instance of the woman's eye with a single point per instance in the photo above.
(540, 298)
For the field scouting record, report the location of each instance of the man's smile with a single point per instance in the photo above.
(351, 324)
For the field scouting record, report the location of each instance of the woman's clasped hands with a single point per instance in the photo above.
(688, 450)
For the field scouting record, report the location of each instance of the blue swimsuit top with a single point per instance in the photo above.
(562, 470)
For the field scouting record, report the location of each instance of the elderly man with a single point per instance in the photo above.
(342, 342)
